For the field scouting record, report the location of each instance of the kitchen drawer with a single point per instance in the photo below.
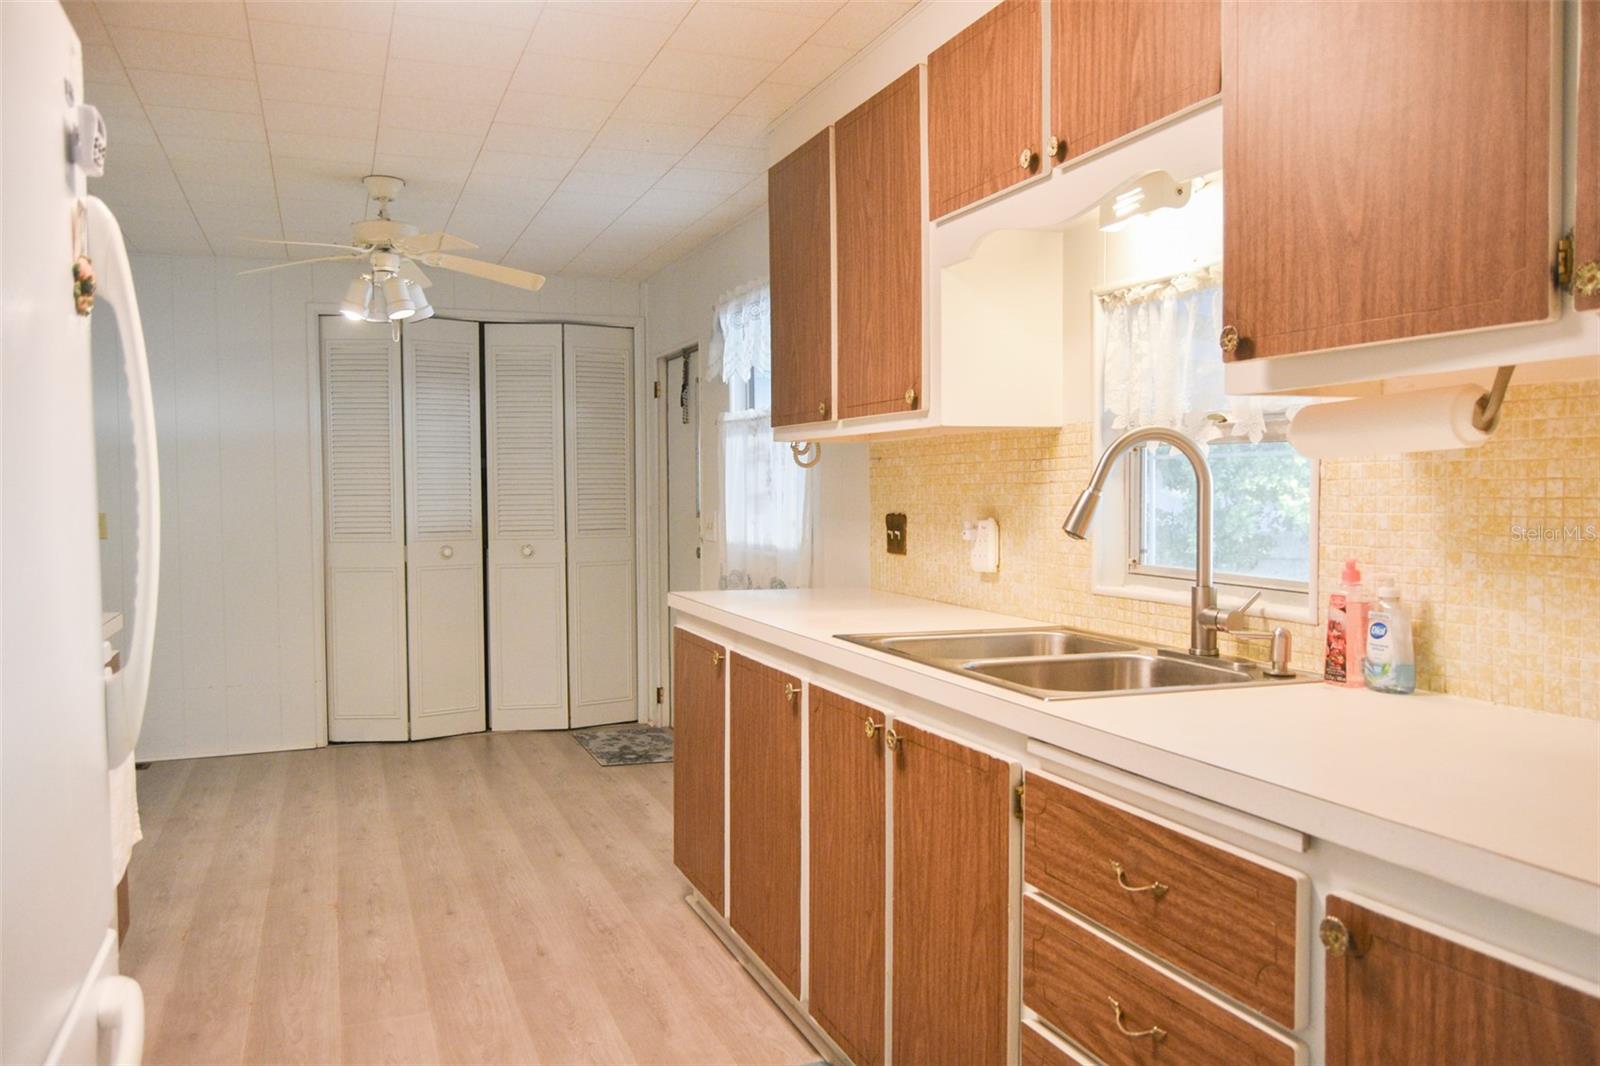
(1228, 920)
(1122, 1010)
(1041, 1050)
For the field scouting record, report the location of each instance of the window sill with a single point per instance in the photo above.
(1274, 605)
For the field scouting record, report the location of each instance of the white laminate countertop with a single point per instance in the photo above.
(1437, 779)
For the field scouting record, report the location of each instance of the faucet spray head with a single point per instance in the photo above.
(1077, 524)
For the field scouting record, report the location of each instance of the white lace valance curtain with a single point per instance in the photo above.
(741, 338)
(1161, 364)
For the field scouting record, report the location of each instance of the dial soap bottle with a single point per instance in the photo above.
(1390, 663)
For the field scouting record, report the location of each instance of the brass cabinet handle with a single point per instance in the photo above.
(1026, 159)
(822, 408)
(1057, 148)
(1155, 888)
(1586, 278)
(790, 691)
(1155, 1032)
(891, 739)
(911, 396)
(1229, 339)
(716, 658)
(872, 728)
(1335, 936)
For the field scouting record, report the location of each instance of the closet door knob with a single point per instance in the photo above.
(447, 552)
(527, 551)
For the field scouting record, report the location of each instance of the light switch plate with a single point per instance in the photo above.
(895, 533)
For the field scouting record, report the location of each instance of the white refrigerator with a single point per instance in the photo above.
(65, 720)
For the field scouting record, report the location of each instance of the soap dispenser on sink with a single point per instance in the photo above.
(984, 536)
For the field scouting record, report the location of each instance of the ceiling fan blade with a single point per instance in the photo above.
(504, 275)
(304, 262)
(303, 244)
(413, 273)
(422, 243)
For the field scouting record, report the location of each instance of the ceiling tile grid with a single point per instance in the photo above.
(603, 137)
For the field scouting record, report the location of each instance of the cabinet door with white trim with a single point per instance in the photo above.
(527, 526)
(601, 614)
(366, 551)
(444, 528)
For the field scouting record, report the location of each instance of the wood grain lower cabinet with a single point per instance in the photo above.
(1117, 66)
(764, 814)
(1397, 993)
(697, 760)
(800, 236)
(952, 890)
(878, 195)
(1586, 230)
(848, 827)
(985, 107)
(1376, 190)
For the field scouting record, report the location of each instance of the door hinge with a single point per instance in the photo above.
(1016, 800)
(1563, 267)
(697, 552)
(661, 694)
(655, 389)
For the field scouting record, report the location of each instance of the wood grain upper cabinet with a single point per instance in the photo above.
(985, 107)
(848, 829)
(1388, 170)
(1116, 66)
(1586, 231)
(697, 755)
(878, 189)
(800, 232)
(764, 814)
(952, 889)
(1479, 1011)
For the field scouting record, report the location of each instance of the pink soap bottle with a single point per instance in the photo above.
(1347, 629)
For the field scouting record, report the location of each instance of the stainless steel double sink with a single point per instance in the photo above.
(1063, 664)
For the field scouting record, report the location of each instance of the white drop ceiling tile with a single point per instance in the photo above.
(178, 235)
(148, 161)
(316, 221)
(578, 208)
(237, 220)
(371, 16)
(218, 169)
(594, 79)
(736, 30)
(557, 112)
(740, 131)
(668, 11)
(625, 161)
(223, 195)
(428, 144)
(185, 53)
(328, 120)
(810, 64)
(191, 149)
(116, 94)
(443, 40)
(443, 81)
(425, 176)
(431, 115)
(720, 183)
(293, 45)
(206, 19)
(322, 179)
(232, 248)
(186, 122)
(165, 88)
(682, 69)
(647, 104)
(769, 100)
(504, 13)
(126, 124)
(727, 157)
(859, 23)
(85, 21)
(523, 165)
(613, 183)
(820, 9)
(658, 137)
(590, 33)
(536, 140)
(122, 184)
(603, 263)
(347, 152)
(345, 88)
(668, 207)
(102, 64)
(483, 191)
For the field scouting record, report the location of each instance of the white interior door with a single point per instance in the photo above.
(366, 551)
(523, 406)
(444, 527)
(600, 543)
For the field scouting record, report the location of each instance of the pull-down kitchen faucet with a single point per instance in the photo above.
(1205, 618)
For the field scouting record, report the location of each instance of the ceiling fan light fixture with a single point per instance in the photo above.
(397, 298)
(357, 299)
(420, 299)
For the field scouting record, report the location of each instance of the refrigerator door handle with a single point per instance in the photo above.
(127, 689)
(120, 1009)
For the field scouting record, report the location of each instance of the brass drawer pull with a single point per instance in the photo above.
(1228, 340)
(1155, 888)
(716, 658)
(1026, 159)
(1335, 936)
(872, 728)
(1586, 278)
(790, 691)
(890, 737)
(1155, 1032)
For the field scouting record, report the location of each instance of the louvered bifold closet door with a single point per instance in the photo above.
(444, 527)
(527, 526)
(601, 618)
(364, 515)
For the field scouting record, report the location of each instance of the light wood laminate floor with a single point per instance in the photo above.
(495, 898)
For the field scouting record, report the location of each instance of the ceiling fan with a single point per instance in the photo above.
(391, 287)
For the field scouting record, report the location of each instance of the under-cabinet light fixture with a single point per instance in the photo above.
(1144, 195)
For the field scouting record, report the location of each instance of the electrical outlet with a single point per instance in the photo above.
(895, 533)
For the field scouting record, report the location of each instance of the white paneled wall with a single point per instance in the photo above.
(238, 666)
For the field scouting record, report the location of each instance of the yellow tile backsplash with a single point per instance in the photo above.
(1496, 549)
